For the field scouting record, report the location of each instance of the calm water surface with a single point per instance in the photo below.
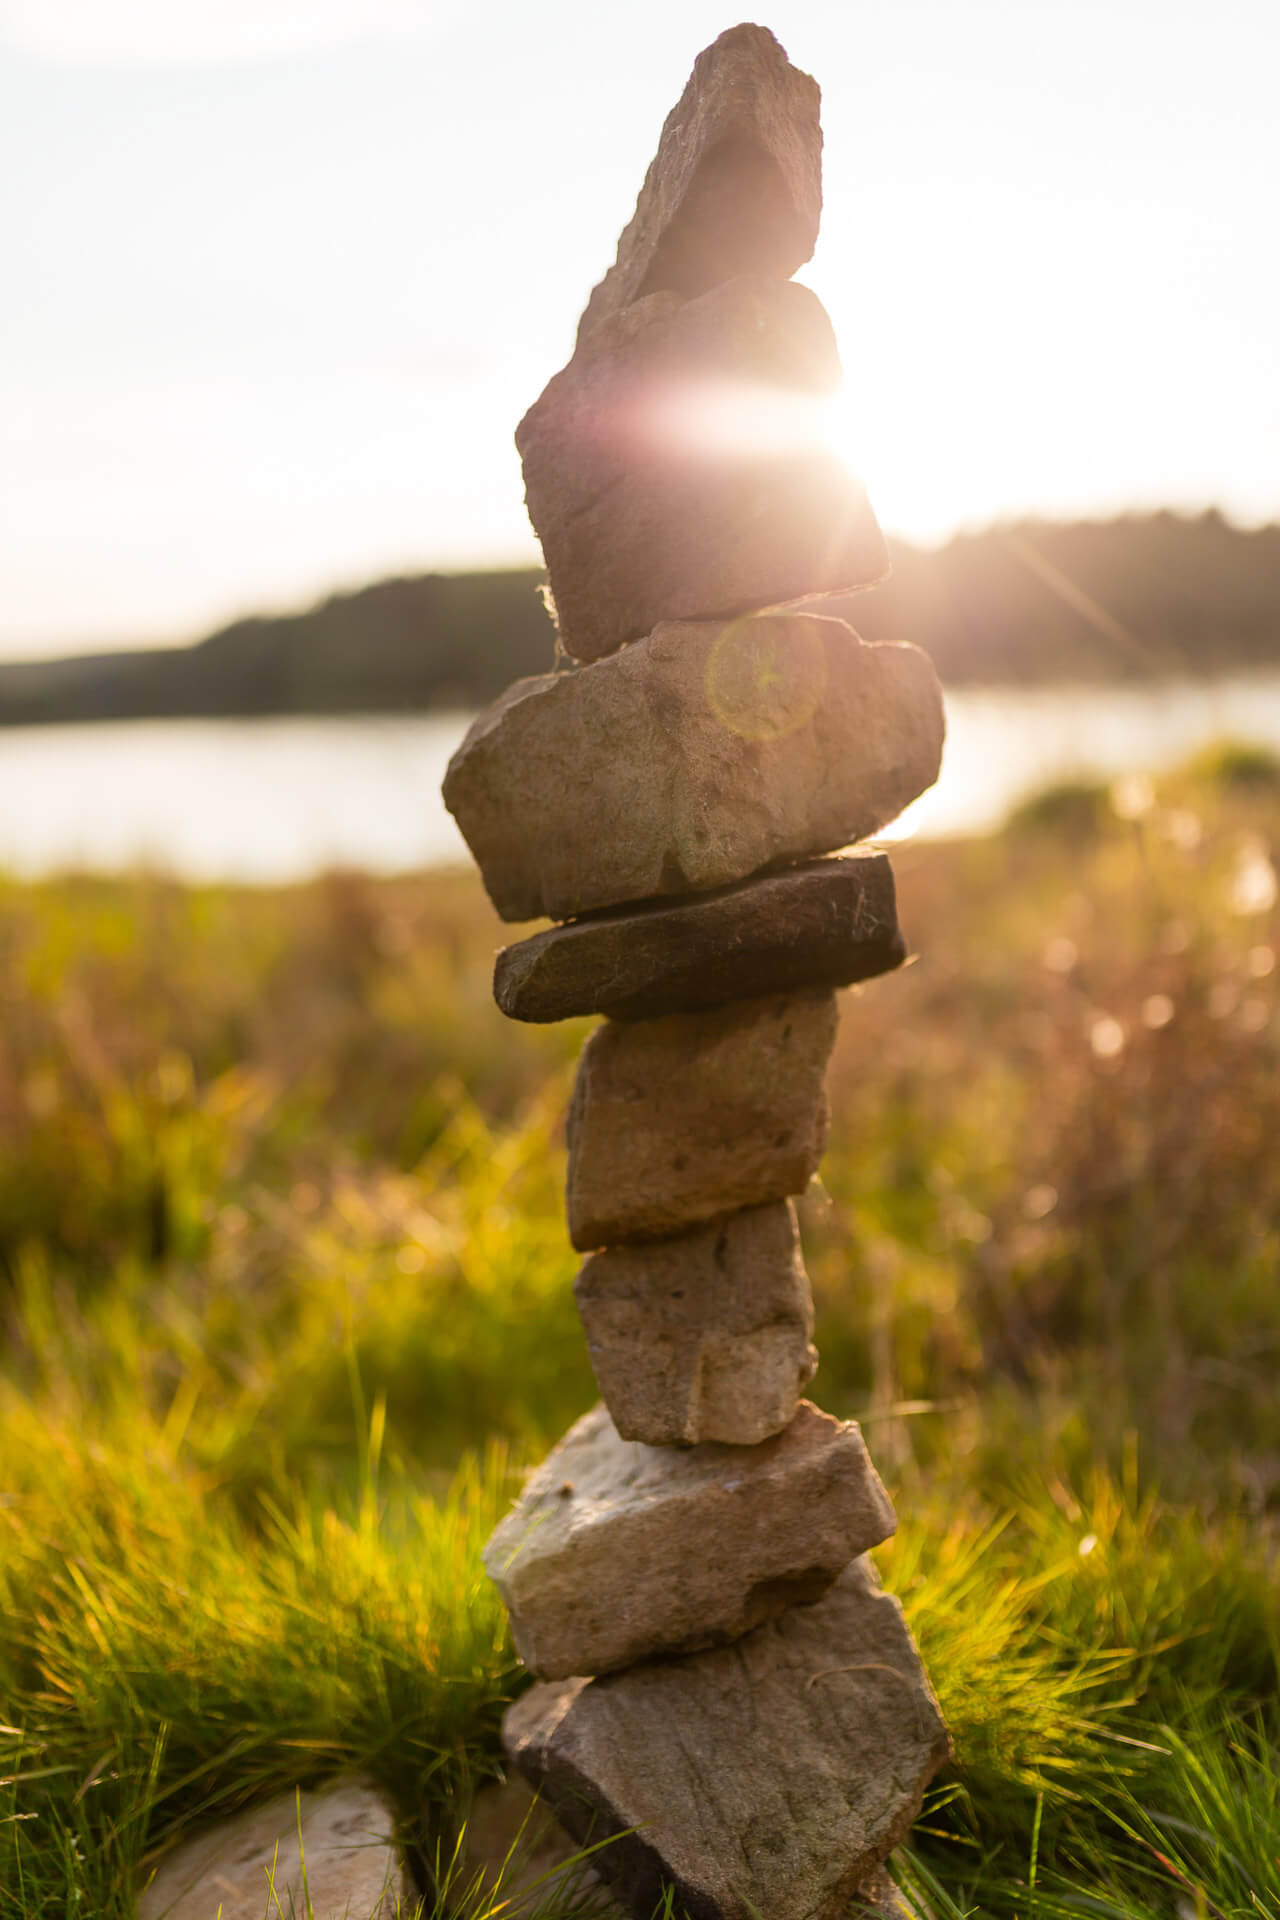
(270, 800)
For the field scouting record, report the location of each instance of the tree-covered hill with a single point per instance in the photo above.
(1158, 595)
(1130, 598)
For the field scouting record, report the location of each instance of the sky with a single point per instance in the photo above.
(280, 276)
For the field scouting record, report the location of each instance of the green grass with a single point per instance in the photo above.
(286, 1302)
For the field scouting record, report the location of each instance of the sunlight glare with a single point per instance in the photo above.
(740, 420)
(721, 419)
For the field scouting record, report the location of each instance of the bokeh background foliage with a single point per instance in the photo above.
(286, 1301)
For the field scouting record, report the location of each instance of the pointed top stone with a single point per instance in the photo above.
(735, 186)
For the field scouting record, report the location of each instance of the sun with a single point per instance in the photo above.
(917, 483)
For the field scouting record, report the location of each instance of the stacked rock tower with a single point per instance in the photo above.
(723, 1688)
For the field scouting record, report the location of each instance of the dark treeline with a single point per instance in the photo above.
(1137, 597)
(1158, 595)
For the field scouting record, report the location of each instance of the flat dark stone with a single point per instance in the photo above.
(826, 924)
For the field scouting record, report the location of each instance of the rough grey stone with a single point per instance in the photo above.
(352, 1862)
(519, 1853)
(680, 1120)
(617, 1552)
(704, 1337)
(690, 760)
(736, 184)
(769, 1777)
(826, 924)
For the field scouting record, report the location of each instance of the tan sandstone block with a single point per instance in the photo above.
(617, 1551)
(690, 760)
(703, 1337)
(679, 1120)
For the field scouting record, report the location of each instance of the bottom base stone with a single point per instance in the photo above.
(515, 1852)
(771, 1777)
(881, 1898)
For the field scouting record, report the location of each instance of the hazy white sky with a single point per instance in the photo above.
(281, 275)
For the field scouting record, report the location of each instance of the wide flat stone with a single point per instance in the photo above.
(353, 1865)
(676, 468)
(703, 1337)
(769, 1777)
(617, 1552)
(691, 760)
(679, 1120)
(827, 924)
(736, 184)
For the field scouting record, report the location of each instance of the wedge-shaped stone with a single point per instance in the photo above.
(826, 924)
(769, 1777)
(680, 1120)
(736, 184)
(704, 1337)
(691, 760)
(617, 1552)
(676, 469)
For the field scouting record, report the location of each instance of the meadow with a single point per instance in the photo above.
(286, 1301)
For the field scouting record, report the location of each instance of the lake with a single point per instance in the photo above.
(276, 800)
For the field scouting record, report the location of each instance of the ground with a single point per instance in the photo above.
(286, 1298)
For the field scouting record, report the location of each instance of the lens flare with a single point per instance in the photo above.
(766, 676)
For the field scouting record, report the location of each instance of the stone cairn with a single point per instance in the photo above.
(723, 1692)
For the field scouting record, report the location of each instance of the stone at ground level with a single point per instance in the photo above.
(518, 1852)
(353, 1866)
(736, 184)
(770, 1777)
(513, 1844)
(617, 1552)
(705, 1336)
(829, 923)
(675, 469)
(690, 760)
(879, 1897)
(679, 1120)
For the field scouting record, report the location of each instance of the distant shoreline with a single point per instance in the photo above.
(1130, 600)
(273, 799)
